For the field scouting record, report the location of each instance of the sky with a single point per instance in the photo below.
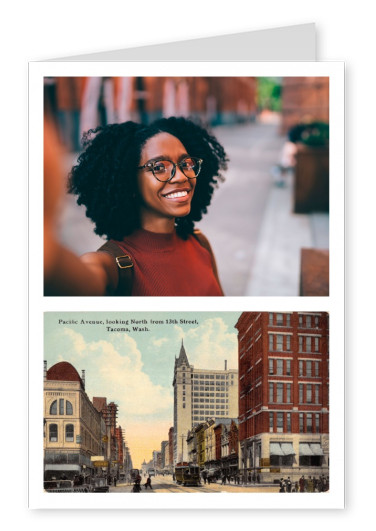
(133, 367)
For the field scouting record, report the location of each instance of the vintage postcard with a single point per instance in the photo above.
(192, 404)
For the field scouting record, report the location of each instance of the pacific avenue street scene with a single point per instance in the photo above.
(203, 402)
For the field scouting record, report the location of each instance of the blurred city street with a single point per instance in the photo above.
(254, 233)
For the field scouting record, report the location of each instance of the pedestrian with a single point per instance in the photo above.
(148, 483)
(258, 478)
(144, 187)
(301, 484)
(115, 481)
(282, 485)
(288, 484)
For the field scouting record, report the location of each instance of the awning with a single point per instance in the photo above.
(275, 449)
(316, 449)
(64, 467)
(287, 448)
(305, 449)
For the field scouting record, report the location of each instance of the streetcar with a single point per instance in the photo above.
(187, 474)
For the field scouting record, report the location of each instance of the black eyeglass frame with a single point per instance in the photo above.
(150, 165)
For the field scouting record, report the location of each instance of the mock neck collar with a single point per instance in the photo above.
(152, 241)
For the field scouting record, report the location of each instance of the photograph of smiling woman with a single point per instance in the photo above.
(144, 187)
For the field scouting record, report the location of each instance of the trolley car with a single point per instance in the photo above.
(187, 474)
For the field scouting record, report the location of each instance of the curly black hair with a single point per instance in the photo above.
(105, 176)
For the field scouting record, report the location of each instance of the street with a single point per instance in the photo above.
(165, 484)
(237, 210)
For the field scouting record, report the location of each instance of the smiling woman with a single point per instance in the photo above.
(144, 187)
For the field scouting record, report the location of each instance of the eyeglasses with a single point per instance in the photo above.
(165, 170)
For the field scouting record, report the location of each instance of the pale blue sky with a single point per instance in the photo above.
(135, 369)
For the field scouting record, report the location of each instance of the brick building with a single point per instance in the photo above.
(216, 100)
(304, 100)
(283, 394)
(226, 447)
(86, 102)
(114, 435)
(119, 436)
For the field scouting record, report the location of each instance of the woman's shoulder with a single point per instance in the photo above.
(202, 239)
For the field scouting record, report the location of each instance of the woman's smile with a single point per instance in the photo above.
(180, 195)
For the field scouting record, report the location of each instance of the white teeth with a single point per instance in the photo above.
(177, 194)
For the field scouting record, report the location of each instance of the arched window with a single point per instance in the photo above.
(68, 407)
(53, 433)
(69, 433)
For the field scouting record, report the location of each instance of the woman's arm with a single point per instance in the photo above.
(64, 272)
(68, 274)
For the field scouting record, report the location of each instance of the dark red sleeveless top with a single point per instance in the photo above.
(166, 265)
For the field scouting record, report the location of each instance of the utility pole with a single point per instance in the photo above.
(182, 452)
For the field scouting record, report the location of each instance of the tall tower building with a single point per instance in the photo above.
(283, 394)
(200, 394)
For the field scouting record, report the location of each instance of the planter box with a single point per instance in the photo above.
(311, 185)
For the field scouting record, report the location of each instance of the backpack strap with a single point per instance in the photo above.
(125, 268)
(204, 242)
(125, 264)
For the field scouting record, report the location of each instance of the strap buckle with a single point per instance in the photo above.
(124, 266)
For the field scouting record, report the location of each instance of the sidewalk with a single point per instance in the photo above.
(276, 266)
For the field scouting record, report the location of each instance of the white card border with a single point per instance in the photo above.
(334, 304)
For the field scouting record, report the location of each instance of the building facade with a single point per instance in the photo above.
(113, 439)
(164, 455)
(200, 394)
(283, 394)
(73, 428)
(171, 448)
(213, 446)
